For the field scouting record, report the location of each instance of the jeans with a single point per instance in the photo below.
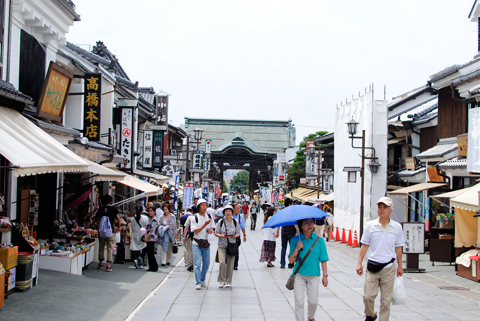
(285, 240)
(253, 223)
(201, 262)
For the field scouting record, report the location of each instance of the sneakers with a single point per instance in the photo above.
(228, 285)
(369, 318)
(221, 284)
(109, 269)
(204, 285)
(100, 265)
(140, 266)
(135, 262)
(282, 266)
(198, 287)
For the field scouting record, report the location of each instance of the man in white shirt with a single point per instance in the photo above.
(383, 239)
(201, 225)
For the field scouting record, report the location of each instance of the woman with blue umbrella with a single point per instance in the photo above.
(308, 252)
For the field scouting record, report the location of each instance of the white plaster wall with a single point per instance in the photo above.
(73, 113)
(15, 55)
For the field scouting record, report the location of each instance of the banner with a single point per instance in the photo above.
(211, 198)
(147, 148)
(175, 193)
(205, 193)
(188, 194)
(126, 136)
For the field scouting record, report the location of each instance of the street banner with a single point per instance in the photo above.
(147, 148)
(205, 193)
(175, 193)
(157, 153)
(197, 161)
(210, 198)
(208, 146)
(126, 140)
(188, 194)
(281, 200)
(92, 106)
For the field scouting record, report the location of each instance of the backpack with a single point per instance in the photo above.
(224, 224)
(105, 228)
(196, 217)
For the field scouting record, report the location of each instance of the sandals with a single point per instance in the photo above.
(270, 265)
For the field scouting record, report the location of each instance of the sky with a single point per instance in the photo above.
(277, 59)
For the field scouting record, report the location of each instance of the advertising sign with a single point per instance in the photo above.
(208, 146)
(157, 153)
(197, 160)
(92, 106)
(126, 136)
(281, 178)
(281, 200)
(188, 194)
(147, 148)
(162, 110)
(175, 193)
(414, 234)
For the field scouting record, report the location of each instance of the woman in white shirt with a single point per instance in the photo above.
(269, 242)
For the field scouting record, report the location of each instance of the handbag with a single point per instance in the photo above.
(291, 280)
(202, 243)
(374, 267)
(174, 248)
(232, 248)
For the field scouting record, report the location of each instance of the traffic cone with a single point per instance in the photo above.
(350, 241)
(344, 240)
(355, 240)
(337, 236)
(331, 237)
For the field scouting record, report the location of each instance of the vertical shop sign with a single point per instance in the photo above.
(188, 194)
(208, 146)
(205, 193)
(147, 148)
(162, 110)
(197, 160)
(175, 193)
(126, 136)
(92, 106)
(157, 149)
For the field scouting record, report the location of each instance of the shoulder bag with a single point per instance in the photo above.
(232, 248)
(291, 280)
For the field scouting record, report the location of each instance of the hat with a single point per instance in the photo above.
(200, 201)
(228, 207)
(385, 200)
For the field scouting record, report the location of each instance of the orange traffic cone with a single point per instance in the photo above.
(331, 237)
(337, 235)
(344, 240)
(355, 240)
(350, 241)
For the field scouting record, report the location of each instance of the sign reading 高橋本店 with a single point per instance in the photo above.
(92, 106)
(126, 135)
(54, 93)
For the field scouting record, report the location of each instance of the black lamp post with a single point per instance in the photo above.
(352, 126)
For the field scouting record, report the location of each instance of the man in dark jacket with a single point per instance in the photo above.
(288, 232)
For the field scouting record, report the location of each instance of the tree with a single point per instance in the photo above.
(225, 186)
(297, 170)
(239, 183)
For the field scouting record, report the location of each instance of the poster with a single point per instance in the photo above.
(414, 234)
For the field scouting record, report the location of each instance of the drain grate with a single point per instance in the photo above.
(453, 288)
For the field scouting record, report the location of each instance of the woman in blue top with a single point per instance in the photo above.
(308, 277)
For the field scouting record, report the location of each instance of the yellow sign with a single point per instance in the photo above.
(462, 141)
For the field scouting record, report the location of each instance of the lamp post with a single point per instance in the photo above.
(373, 165)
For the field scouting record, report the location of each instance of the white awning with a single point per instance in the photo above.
(159, 178)
(149, 189)
(467, 200)
(415, 188)
(451, 194)
(323, 198)
(104, 173)
(32, 150)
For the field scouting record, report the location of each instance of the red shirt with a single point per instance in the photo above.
(245, 209)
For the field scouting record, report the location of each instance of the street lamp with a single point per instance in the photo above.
(198, 133)
(352, 126)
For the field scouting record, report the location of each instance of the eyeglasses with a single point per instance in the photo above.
(308, 223)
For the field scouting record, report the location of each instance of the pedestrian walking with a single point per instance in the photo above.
(227, 230)
(106, 230)
(151, 239)
(269, 240)
(202, 225)
(320, 226)
(187, 239)
(308, 277)
(243, 225)
(253, 216)
(167, 220)
(245, 211)
(138, 222)
(383, 240)
(288, 232)
(328, 224)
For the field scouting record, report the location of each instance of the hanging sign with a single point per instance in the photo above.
(197, 160)
(147, 148)
(157, 153)
(208, 146)
(92, 106)
(175, 193)
(281, 200)
(126, 136)
(162, 110)
(188, 194)
(205, 193)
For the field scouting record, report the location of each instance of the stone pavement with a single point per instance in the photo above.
(259, 293)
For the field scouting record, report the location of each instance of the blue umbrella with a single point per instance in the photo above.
(291, 214)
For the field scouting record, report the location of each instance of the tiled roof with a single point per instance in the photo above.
(69, 6)
(399, 100)
(468, 77)
(454, 163)
(444, 146)
(417, 111)
(147, 93)
(65, 130)
(410, 172)
(426, 118)
(445, 73)
(8, 90)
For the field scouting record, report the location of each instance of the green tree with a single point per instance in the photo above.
(225, 186)
(297, 170)
(239, 183)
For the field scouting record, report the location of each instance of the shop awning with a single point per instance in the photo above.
(451, 194)
(149, 189)
(415, 188)
(32, 150)
(297, 192)
(104, 173)
(467, 200)
(323, 198)
(159, 178)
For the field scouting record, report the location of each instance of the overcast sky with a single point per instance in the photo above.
(277, 59)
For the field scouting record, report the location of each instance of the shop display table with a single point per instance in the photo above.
(442, 249)
(73, 263)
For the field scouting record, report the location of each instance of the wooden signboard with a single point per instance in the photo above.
(462, 141)
(54, 93)
(410, 163)
(434, 176)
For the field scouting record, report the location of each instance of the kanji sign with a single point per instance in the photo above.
(147, 148)
(126, 138)
(157, 149)
(197, 160)
(162, 110)
(92, 106)
(208, 146)
(281, 178)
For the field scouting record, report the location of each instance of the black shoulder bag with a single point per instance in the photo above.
(291, 280)
(232, 248)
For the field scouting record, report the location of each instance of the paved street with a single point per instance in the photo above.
(259, 293)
